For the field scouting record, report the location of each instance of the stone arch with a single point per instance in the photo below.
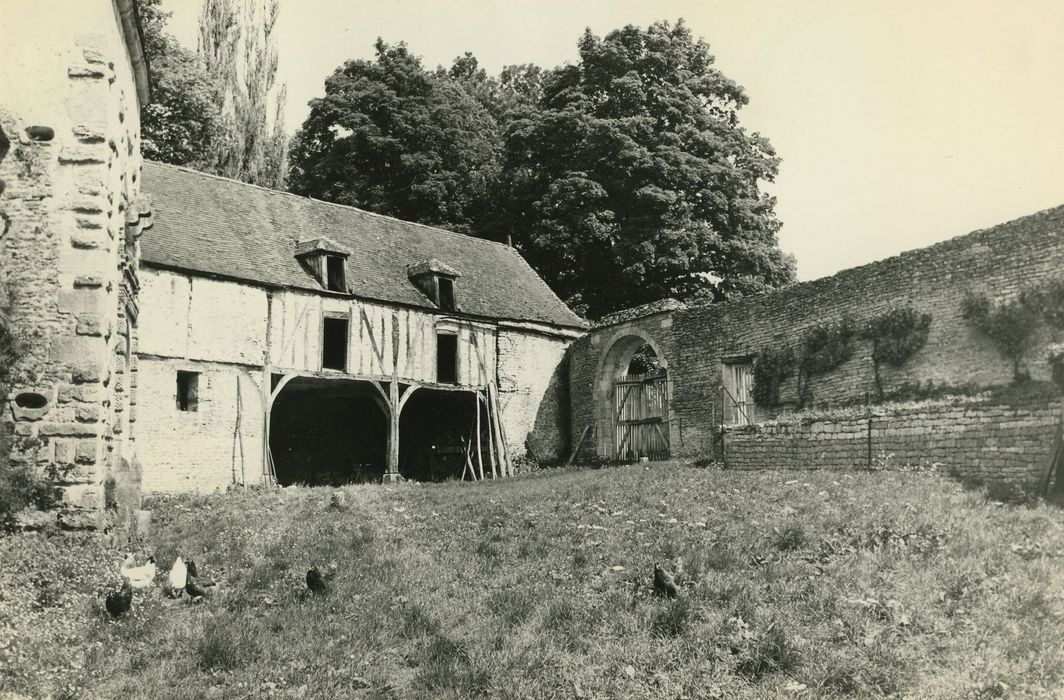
(620, 348)
(613, 364)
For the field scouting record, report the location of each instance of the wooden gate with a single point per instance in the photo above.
(641, 416)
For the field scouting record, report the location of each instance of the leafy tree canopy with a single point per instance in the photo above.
(183, 121)
(394, 138)
(634, 180)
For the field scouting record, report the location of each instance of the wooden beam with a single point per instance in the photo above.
(579, 444)
(407, 393)
(280, 385)
(377, 351)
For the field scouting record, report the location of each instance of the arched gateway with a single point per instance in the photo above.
(632, 398)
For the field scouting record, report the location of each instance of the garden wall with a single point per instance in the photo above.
(975, 441)
(999, 262)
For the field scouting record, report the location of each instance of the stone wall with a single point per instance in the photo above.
(602, 355)
(218, 444)
(534, 393)
(999, 261)
(70, 217)
(978, 441)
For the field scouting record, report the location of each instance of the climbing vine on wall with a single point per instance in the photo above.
(895, 335)
(1010, 325)
(1047, 300)
(772, 366)
(824, 347)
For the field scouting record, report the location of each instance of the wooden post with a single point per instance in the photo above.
(480, 458)
(496, 432)
(492, 459)
(393, 434)
(509, 465)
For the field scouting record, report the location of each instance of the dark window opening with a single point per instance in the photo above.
(40, 133)
(336, 280)
(446, 294)
(446, 358)
(187, 391)
(334, 344)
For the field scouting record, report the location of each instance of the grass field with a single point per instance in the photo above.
(793, 585)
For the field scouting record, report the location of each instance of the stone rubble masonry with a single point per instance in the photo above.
(982, 443)
(696, 342)
(72, 215)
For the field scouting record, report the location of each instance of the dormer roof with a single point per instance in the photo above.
(321, 244)
(432, 266)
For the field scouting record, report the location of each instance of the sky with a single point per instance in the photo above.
(900, 123)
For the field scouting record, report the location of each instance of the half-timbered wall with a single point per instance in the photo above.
(228, 332)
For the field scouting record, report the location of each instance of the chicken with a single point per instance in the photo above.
(664, 584)
(138, 576)
(177, 578)
(198, 587)
(118, 602)
(316, 581)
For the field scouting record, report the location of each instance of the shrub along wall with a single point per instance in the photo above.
(978, 441)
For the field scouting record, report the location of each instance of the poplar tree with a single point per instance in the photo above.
(238, 44)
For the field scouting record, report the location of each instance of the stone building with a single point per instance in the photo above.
(292, 339)
(72, 82)
(700, 403)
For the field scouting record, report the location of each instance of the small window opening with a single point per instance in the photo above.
(40, 133)
(31, 399)
(447, 358)
(336, 280)
(334, 344)
(187, 391)
(446, 287)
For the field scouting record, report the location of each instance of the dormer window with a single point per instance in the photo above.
(436, 281)
(336, 273)
(445, 289)
(326, 260)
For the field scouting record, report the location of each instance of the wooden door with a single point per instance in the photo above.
(641, 417)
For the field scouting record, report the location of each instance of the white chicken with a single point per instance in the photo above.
(177, 578)
(138, 576)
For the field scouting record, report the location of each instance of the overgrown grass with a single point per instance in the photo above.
(792, 585)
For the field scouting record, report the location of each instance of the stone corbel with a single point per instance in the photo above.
(138, 218)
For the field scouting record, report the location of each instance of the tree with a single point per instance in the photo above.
(238, 44)
(182, 123)
(396, 139)
(634, 180)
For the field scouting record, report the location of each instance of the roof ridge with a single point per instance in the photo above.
(332, 204)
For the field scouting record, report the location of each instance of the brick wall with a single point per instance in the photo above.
(998, 261)
(977, 441)
(70, 217)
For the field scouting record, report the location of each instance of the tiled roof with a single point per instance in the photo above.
(217, 226)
